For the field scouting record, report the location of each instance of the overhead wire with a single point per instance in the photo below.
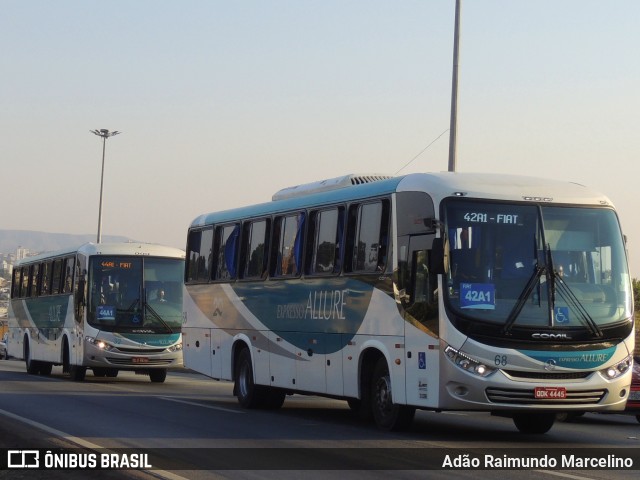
(421, 152)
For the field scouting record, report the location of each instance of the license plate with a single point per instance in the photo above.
(550, 393)
(140, 360)
(634, 395)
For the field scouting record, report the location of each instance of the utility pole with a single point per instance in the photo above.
(104, 133)
(453, 128)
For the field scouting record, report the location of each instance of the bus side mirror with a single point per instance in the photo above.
(437, 260)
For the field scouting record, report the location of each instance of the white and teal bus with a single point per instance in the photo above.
(447, 291)
(107, 307)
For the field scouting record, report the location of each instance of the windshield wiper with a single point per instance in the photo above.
(522, 298)
(570, 298)
(155, 315)
(538, 271)
(132, 306)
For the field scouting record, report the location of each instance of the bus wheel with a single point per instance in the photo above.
(248, 393)
(33, 367)
(77, 373)
(158, 376)
(360, 408)
(387, 415)
(99, 372)
(536, 423)
(112, 372)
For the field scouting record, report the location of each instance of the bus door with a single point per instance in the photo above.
(418, 289)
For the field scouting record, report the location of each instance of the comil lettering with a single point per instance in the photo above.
(551, 336)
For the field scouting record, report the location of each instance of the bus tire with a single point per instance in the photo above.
(33, 366)
(534, 422)
(112, 372)
(99, 371)
(387, 415)
(249, 394)
(158, 376)
(361, 408)
(77, 373)
(66, 354)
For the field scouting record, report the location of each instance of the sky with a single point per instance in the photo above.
(222, 103)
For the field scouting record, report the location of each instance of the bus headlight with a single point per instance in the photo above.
(175, 348)
(467, 363)
(101, 344)
(620, 368)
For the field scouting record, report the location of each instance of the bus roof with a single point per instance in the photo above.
(439, 185)
(329, 197)
(502, 187)
(116, 248)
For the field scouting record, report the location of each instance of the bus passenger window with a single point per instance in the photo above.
(369, 248)
(289, 237)
(34, 280)
(226, 249)
(45, 280)
(327, 228)
(68, 275)
(25, 282)
(15, 283)
(254, 251)
(55, 277)
(199, 255)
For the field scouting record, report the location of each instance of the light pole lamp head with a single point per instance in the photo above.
(104, 133)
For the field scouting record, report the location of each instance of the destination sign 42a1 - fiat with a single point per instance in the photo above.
(478, 217)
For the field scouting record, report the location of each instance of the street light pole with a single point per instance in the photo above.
(104, 133)
(453, 128)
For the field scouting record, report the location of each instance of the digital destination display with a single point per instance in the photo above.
(485, 217)
(115, 264)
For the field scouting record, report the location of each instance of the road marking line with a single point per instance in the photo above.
(563, 475)
(83, 443)
(222, 409)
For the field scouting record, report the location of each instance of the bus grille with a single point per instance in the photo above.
(148, 362)
(526, 396)
(143, 351)
(547, 376)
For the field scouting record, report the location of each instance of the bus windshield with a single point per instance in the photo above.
(133, 294)
(536, 265)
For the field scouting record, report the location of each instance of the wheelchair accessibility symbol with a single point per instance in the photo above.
(561, 315)
(422, 361)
